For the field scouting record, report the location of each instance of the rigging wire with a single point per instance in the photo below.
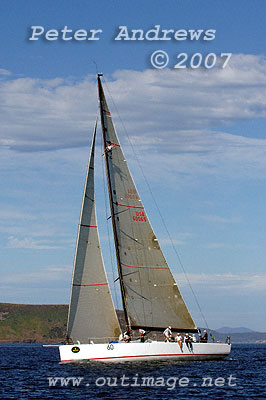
(158, 209)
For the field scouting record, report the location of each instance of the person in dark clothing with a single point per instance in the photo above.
(142, 333)
(188, 341)
(205, 337)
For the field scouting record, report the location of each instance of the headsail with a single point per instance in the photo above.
(150, 294)
(91, 313)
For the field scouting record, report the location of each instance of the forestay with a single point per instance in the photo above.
(92, 316)
(151, 296)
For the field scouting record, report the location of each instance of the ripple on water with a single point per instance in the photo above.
(26, 369)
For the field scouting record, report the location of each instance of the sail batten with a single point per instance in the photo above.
(150, 294)
(91, 312)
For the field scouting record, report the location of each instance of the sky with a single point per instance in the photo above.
(196, 135)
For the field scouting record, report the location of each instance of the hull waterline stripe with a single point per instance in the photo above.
(135, 266)
(91, 284)
(146, 355)
(125, 205)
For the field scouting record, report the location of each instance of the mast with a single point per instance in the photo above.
(122, 287)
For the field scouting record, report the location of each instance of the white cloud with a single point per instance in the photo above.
(221, 245)
(29, 243)
(4, 72)
(15, 215)
(220, 220)
(45, 276)
(182, 238)
(224, 282)
(179, 122)
(41, 114)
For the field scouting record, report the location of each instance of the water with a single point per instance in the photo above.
(26, 369)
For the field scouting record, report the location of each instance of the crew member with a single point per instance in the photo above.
(168, 334)
(127, 336)
(142, 333)
(205, 337)
(109, 147)
(188, 341)
(179, 340)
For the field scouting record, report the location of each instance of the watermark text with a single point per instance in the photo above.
(170, 383)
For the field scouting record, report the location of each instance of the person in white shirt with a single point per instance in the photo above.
(168, 334)
(109, 146)
(179, 340)
(125, 337)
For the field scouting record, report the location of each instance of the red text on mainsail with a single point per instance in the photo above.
(131, 194)
(140, 216)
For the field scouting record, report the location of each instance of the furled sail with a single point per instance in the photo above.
(150, 294)
(92, 316)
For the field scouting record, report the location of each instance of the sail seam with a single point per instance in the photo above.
(89, 226)
(125, 205)
(137, 266)
(91, 284)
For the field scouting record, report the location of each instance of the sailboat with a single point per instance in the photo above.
(150, 296)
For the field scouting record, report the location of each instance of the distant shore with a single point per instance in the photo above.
(29, 323)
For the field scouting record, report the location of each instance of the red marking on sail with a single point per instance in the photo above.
(108, 112)
(91, 284)
(125, 205)
(115, 144)
(88, 226)
(136, 266)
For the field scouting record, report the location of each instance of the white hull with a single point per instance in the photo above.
(143, 351)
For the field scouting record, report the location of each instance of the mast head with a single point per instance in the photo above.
(98, 75)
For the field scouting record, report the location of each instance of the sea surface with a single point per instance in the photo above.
(30, 371)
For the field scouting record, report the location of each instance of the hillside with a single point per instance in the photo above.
(26, 323)
(32, 323)
(229, 330)
(245, 337)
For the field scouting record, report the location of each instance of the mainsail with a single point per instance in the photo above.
(150, 295)
(92, 316)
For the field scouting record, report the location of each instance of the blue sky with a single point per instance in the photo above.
(199, 135)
